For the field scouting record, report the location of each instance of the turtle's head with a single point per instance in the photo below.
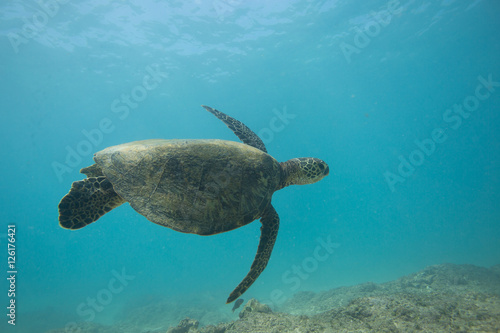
(303, 170)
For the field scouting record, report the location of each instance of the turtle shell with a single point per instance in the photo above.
(203, 187)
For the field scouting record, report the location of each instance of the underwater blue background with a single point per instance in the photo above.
(359, 82)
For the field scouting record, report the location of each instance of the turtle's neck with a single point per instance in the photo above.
(289, 173)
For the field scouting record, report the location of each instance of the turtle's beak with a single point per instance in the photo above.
(326, 171)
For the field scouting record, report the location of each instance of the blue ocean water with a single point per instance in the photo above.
(401, 98)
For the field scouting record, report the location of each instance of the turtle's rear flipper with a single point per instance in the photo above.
(269, 231)
(87, 201)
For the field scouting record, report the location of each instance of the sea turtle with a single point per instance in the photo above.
(202, 187)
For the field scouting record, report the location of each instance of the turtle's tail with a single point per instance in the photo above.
(86, 202)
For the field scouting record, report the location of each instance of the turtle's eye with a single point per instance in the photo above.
(317, 167)
(321, 168)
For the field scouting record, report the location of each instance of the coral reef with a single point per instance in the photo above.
(440, 298)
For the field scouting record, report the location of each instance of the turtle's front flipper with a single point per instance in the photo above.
(241, 130)
(86, 202)
(269, 231)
